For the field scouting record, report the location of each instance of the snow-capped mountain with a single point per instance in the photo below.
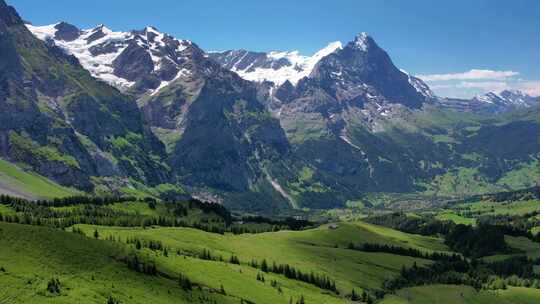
(492, 102)
(363, 72)
(284, 68)
(141, 59)
(277, 67)
(420, 86)
(509, 98)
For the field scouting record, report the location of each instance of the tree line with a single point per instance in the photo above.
(516, 271)
(411, 252)
(321, 281)
(96, 211)
(485, 239)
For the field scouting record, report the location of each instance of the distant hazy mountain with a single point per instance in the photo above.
(502, 102)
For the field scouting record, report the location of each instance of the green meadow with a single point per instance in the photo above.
(87, 270)
(321, 250)
(16, 181)
(453, 294)
(90, 262)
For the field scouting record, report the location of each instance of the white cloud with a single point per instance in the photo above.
(468, 89)
(484, 85)
(531, 87)
(473, 74)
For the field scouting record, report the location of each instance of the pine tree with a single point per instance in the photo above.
(112, 300)
(53, 286)
(222, 290)
(185, 283)
(364, 296)
(264, 266)
(354, 296)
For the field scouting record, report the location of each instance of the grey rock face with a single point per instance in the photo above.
(66, 32)
(133, 62)
(248, 61)
(363, 63)
(140, 61)
(226, 133)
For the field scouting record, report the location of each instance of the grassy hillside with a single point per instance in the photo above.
(90, 271)
(312, 250)
(91, 261)
(450, 294)
(16, 181)
(86, 268)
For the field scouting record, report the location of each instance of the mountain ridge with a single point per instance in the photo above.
(350, 125)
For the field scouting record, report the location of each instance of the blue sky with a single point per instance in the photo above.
(472, 46)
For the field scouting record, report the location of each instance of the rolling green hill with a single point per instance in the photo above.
(92, 262)
(87, 269)
(450, 294)
(311, 250)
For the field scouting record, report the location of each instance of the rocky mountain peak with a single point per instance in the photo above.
(362, 66)
(143, 60)
(66, 31)
(509, 98)
(276, 66)
(492, 102)
(8, 14)
(363, 41)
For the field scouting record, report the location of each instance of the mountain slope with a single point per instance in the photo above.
(15, 181)
(219, 137)
(65, 124)
(263, 131)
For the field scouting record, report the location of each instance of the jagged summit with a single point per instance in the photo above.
(276, 66)
(8, 14)
(66, 31)
(363, 41)
(509, 98)
(143, 59)
(493, 102)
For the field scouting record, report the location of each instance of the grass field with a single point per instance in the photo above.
(89, 273)
(5, 210)
(531, 249)
(450, 294)
(90, 270)
(86, 268)
(503, 208)
(17, 182)
(456, 218)
(311, 250)
(528, 247)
